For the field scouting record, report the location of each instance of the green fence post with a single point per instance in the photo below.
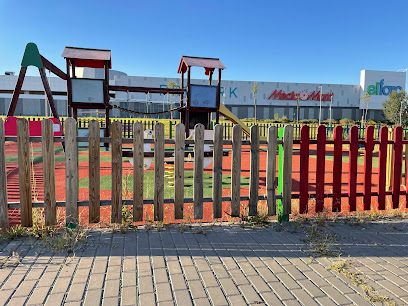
(281, 217)
(170, 131)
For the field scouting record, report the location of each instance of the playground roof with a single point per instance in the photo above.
(206, 62)
(85, 57)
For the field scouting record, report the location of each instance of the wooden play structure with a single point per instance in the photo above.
(197, 102)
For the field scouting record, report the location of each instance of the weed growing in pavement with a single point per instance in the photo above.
(369, 293)
(320, 242)
(13, 233)
(12, 260)
(65, 240)
(259, 220)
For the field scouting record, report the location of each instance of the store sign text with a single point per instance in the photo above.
(379, 89)
(303, 95)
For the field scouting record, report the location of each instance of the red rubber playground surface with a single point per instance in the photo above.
(37, 181)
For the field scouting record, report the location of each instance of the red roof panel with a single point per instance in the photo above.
(208, 63)
(93, 58)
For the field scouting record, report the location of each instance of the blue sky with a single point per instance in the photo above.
(285, 41)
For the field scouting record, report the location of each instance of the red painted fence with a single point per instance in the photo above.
(350, 147)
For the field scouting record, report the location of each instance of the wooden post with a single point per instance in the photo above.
(368, 165)
(187, 109)
(159, 172)
(320, 164)
(397, 166)
(23, 144)
(94, 172)
(4, 223)
(287, 170)
(116, 144)
(382, 167)
(217, 113)
(217, 171)
(179, 171)
(236, 171)
(271, 170)
(353, 155)
(254, 172)
(138, 171)
(304, 169)
(71, 171)
(198, 170)
(50, 204)
(69, 90)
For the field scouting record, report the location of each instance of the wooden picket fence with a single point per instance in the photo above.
(390, 168)
(94, 203)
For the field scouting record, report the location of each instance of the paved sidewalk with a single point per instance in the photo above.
(226, 265)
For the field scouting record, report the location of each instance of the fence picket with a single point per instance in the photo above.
(116, 145)
(254, 171)
(337, 167)
(390, 157)
(353, 155)
(271, 170)
(159, 172)
(138, 171)
(304, 169)
(179, 171)
(287, 170)
(4, 223)
(198, 170)
(50, 204)
(217, 172)
(71, 171)
(320, 164)
(382, 167)
(236, 171)
(396, 182)
(368, 165)
(24, 173)
(94, 172)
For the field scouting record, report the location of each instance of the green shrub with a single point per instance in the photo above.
(284, 119)
(346, 121)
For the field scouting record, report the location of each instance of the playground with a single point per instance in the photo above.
(194, 169)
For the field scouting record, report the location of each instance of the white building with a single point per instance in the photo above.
(272, 98)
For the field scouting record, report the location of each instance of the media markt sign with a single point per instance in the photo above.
(303, 95)
(379, 85)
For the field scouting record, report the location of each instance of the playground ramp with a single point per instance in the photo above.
(234, 119)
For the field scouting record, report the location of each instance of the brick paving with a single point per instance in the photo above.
(228, 265)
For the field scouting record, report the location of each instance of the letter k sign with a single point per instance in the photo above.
(232, 92)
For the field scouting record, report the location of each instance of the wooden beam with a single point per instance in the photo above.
(173, 91)
(16, 92)
(217, 113)
(54, 69)
(69, 90)
(48, 92)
